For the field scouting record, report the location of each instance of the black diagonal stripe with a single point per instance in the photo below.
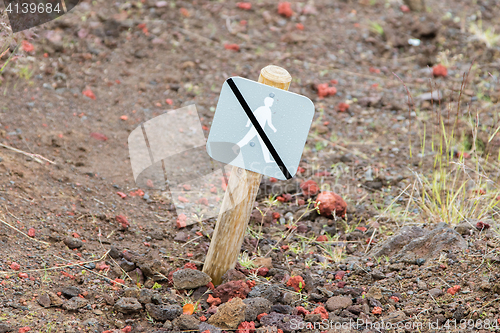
(259, 129)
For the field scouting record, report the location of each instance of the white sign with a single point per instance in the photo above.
(260, 128)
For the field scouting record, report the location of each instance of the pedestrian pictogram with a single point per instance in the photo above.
(265, 127)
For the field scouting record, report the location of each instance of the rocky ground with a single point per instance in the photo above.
(409, 242)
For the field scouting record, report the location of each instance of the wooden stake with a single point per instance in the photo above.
(242, 188)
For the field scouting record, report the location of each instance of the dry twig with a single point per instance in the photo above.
(38, 158)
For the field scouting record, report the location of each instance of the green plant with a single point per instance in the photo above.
(309, 262)
(25, 73)
(488, 36)
(332, 252)
(49, 328)
(376, 28)
(245, 261)
(320, 145)
(458, 185)
(444, 195)
(3, 52)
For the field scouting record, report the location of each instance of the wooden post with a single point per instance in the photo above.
(243, 186)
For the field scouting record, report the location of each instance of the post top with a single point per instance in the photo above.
(275, 76)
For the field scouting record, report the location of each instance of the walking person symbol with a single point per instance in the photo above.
(263, 115)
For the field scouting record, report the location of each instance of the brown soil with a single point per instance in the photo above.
(138, 56)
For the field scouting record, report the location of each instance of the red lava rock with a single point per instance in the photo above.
(322, 311)
(301, 169)
(122, 195)
(203, 201)
(66, 274)
(213, 301)
(262, 271)
(190, 265)
(302, 311)
(232, 47)
(339, 275)
(301, 202)
(98, 136)
(482, 226)
(276, 215)
(462, 154)
(231, 289)
(170, 277)
(439, 70)
(453, 290)
(405, 8)
(88, 93)
(299, 26)
(296, 282)
(244, 5)
(371, 241)
(117, 280)
(212, 310)
(169, 101)
(330, 202)
(261, 315)
(139, 192)
(31, 232)
(286, 197)
(123, 221)
(285, 9)
(23, 275)
(324, 90)
(143, 27)
(181, 221)
(479, 191)
(246, 327)
(15, 266)
(127, 329)
(322, 238)
(309, 188)
(27, 46)
(187, 187)
(285, 247)
(182, 199)
(343, 107)
(206, 331)
(24, 329)
(102, 266)
(374, 70)
(210, 286)
(203, 318)
(362, 229)
(395, 298)
(377, 310)
(341, 284)
(250, 284)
